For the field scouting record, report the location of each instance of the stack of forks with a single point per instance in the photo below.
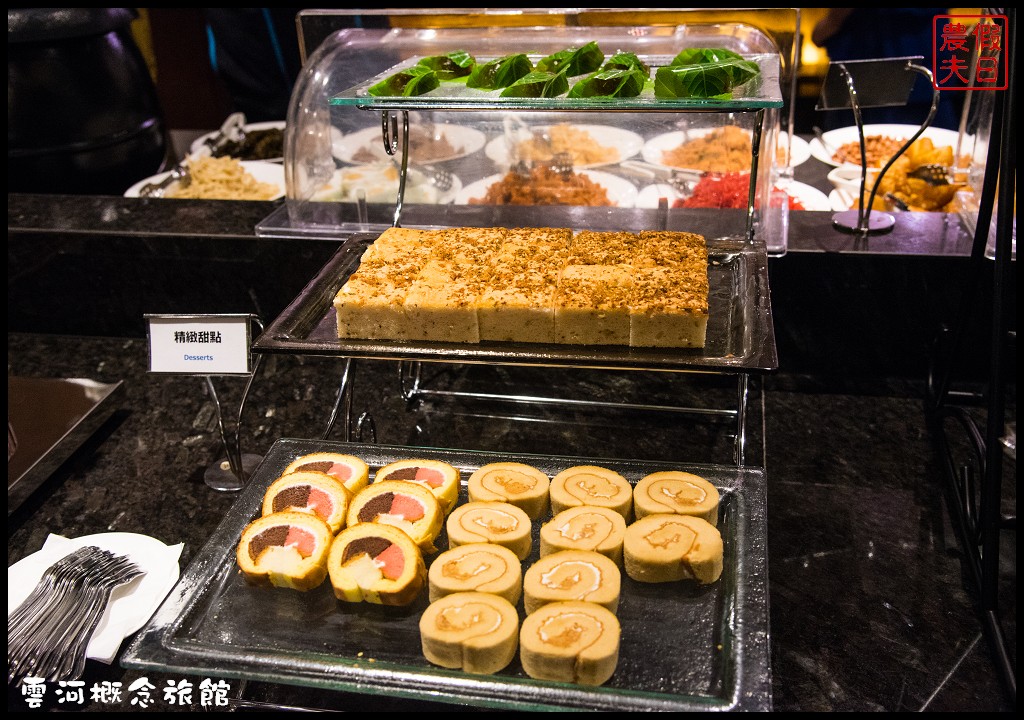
(49, 633)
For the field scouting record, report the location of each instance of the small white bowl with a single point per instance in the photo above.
(846, 179)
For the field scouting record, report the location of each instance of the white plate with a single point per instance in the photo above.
(837, 138)
(379, 182)
(626, 142)
(799, 149)
(464, 140)
(262, 170)
(654, 148)
(621, 192)
(839, 201)
(810, 197)
(198, 144)
(649, 196)
(130, 605)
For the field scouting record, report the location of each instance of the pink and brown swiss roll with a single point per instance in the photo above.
(285, 549)
(377, 564)
(409, 506)
(311, 492)
(441, 478)
(353, 473)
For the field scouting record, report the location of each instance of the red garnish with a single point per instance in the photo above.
(728, 191)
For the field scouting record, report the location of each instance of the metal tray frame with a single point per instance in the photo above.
(741, 336)
(684, 647)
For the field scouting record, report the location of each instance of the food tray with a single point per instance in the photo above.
(48, 419)
(684, 647)
(763, 91)
(740, 335)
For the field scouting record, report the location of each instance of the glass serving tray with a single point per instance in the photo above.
(684, 646)
(763, 91)
(740, 334)
(48, 419)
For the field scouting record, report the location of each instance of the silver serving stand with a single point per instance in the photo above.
(412, 386)
(857, 84)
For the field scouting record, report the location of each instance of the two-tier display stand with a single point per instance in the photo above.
(684, 648)
(740, 332)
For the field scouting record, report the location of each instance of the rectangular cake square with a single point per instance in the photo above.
(516, 305)
(593, 247)
(660, 248)
(592, 305)
(669, 308)
(441, 306)
(401, 244)
(368, 307)
(469, 245)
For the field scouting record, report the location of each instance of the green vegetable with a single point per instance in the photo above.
(415, 80)
(712, 79)
(451, 65)
(626, 61)
(610, 83)
(692, 56)
(573, 62)
(499, 73)
(538, 84)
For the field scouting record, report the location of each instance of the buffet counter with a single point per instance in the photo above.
(859, 566)
(842, 433)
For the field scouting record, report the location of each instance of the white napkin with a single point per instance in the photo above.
(130, 605)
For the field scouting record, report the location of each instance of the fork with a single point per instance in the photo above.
(69, 662)
(51, 585)
(49, 632)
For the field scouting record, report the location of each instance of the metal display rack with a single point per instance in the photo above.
(970, 427)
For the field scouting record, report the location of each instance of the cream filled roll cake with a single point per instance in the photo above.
(476, 567)
(585, 527)
(476, 632)
(572, 575)
(529, 285)
(516, 483)
(571, 641)
(666, 548)
(591, 485)
(491, 522)
(675, 491)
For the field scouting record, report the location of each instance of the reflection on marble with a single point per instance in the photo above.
(869, 609)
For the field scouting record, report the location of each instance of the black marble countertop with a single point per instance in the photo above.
(868, 604)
